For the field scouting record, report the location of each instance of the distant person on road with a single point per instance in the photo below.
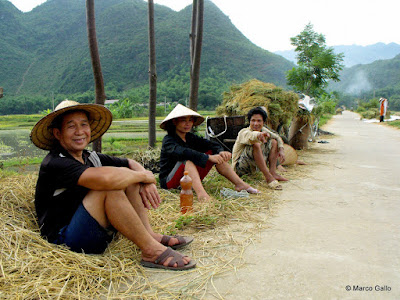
(184, 151)
(383, 104)
(83, 198)
(257, 147)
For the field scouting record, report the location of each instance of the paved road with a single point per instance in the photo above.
(338, 227)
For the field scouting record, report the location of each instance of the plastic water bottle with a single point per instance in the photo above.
(186, 196)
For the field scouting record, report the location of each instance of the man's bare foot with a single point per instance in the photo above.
(299, 162)
(279, 177)
(241, 187)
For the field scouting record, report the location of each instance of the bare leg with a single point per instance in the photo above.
(197, 184)
(113, 207)
(273, 159)
(132, 192)
(261, 163)
(226, 170)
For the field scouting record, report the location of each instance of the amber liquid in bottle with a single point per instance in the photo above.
(186, 195)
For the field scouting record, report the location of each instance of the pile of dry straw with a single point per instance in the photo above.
(281, 105)
(31, 268)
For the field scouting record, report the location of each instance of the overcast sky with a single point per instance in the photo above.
(271, 24)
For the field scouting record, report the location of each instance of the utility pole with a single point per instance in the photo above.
(152, 77)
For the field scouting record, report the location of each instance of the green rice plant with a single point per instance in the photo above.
(22, 161)
(18, 121)
(4, 148)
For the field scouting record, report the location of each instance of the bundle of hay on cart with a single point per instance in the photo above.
(285, 116)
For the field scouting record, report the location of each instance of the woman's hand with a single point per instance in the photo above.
(225, 155)
(216, 159)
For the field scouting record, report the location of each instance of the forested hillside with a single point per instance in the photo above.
(45, 52)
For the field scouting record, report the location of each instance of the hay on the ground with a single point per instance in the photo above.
(32, 268)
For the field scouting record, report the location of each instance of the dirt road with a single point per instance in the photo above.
(336, 233)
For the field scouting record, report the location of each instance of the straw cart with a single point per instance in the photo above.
(280, 105)
(287, 115)
(224, 130)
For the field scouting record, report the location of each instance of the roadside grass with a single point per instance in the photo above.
(395, 124)
(324, 119)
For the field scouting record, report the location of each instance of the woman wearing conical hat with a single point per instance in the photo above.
(184, 151)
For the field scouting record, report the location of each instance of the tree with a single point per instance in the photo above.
(196, 41)
(317, 63)
(94, 54)
(152, 77)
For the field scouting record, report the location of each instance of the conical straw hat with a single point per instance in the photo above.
(182, 111)
(100, 119)
(290, 155)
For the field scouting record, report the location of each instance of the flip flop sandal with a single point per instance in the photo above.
(183, 241)
(275, 185)
(177, 258)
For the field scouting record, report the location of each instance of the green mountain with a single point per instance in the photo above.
(46, 50)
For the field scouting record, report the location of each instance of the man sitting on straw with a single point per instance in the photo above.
(256, 146)
(83, 197)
